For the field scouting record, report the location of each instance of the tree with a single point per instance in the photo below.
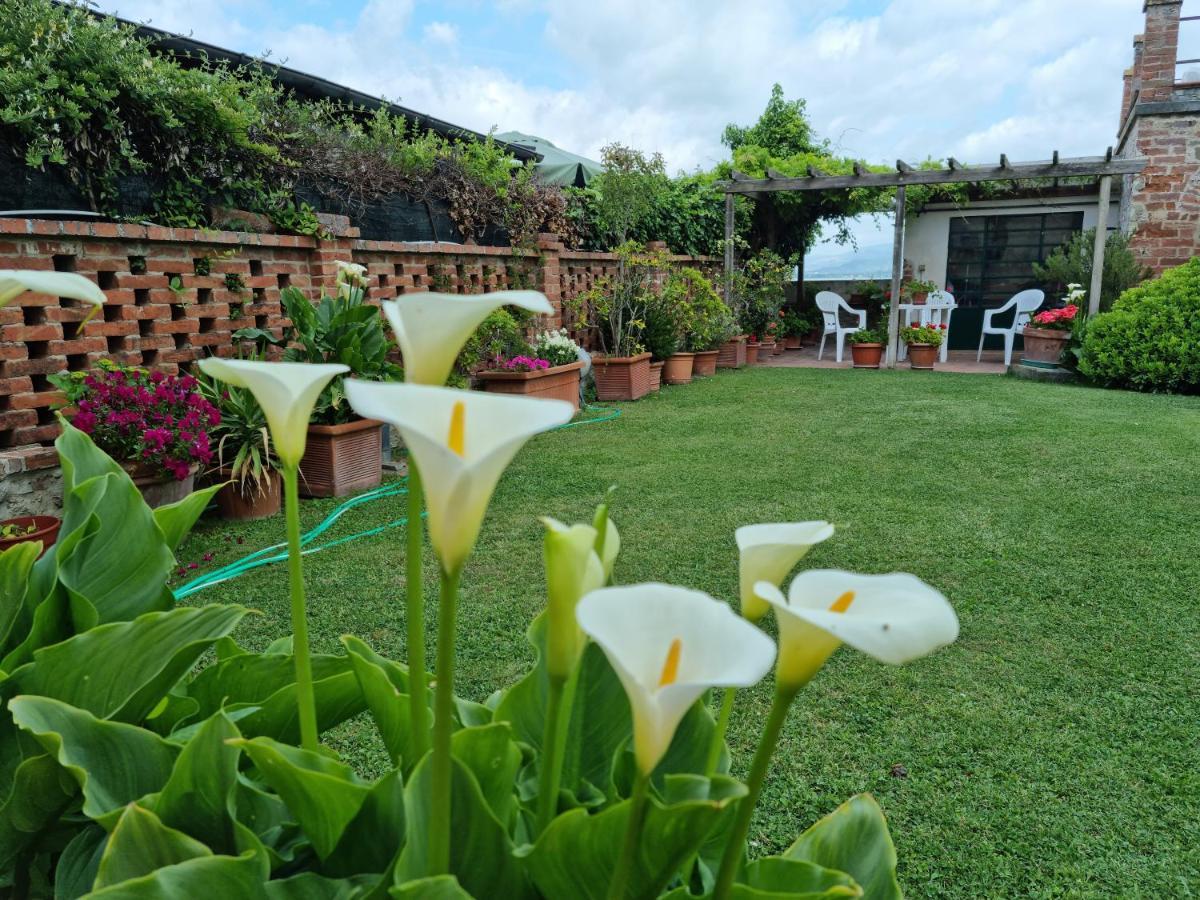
(626, 189)
(1072, 264)
(783, 129)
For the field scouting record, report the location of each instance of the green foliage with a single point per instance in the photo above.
(1072, 264)
(241, 442)
(129, 773)
(616, 306)
(705, 321)
(661, 334)
(624, 191)
(1150, 339)
(759, 290)
(783, 128)
(869, 336)
(922, 334)
(500, 336)
(342, 329)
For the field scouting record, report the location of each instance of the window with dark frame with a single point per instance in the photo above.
(990, 258)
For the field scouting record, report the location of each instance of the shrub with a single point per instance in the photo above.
(1150, 340)
(760, 290)
(556, 347)
(1071, 264)
(499, 337)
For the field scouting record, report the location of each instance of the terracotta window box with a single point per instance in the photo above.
(342, 459)
(555, 383)
(732, 354)
(621, 377)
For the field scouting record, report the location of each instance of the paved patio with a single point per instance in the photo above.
(962, 361)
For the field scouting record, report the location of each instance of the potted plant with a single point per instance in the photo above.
(344, 452)
(615, 308)
(760, 287)
(27, 529)
(866, 347)
(712, 323)
(917, 292)
(792, 327)
(661, 339)
(549, 370)
(923, 342)
(245, 462)
(731, 354)
(155, 425)
(1049, 332)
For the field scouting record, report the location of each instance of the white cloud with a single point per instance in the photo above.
(920, 78)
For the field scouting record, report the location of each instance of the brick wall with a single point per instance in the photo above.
(177, 295)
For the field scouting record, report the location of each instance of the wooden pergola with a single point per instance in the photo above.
(1102, 167)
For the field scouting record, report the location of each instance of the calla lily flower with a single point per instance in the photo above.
(893, 618)
(432, 328)
(350, 276)
(14, 282)
(572, 570)
(286, 392)
(768, 553)
(669, 645)
(462, 442)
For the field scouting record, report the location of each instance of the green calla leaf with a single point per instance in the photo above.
(577, 853)
(384, 685)
(310, 886)
(139, 844)
(323, 794)
(439, 887)
(112, 762)
(494, 759)
(372, 839)
(775, 878)
(176, 519)
(40, 793)
(854, 839)
(76, 870)
(16, 612)
(124, 669)
(81, 459)
(226, 877)
(200, 794)
(481, 853)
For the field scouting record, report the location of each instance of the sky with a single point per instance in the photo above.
(883, 79)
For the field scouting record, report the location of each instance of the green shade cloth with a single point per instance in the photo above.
(557, 166)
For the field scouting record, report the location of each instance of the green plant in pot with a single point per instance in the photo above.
(710, 322)
(918, 291)
(867, 346)
(760, 287)
(244, 457)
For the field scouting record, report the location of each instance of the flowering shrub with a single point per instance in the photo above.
(525, 364)
(923, 334)
(556, 347)
(1055, 319)
(139, 416)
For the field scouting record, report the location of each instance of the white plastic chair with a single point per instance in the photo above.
(830, 304)
(1026, 304)
(936, 310)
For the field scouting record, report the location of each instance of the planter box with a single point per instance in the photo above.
(159, 489)
(732, 354)
(341, 459)
(704, 363)
(866, 356)
(656, 376)
(791, 342)
(1044, 346)
(678, 369)
(45, 529)
(752, 348)
(240, 507)
(922, 356)
(621, 377)
(555, 383)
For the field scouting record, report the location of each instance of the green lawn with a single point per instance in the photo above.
(1053, 751)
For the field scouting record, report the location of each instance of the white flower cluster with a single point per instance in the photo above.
(556, 347)
(1075, 294)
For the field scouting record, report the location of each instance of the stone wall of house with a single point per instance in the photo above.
(1160, 122)
(175, 295)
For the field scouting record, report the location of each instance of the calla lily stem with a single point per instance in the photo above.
(718, 738)
(443, 711)
(619, 886)
(415, 614)
(300, 652)
(550, 778)
(732, 860)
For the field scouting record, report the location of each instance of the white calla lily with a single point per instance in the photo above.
(668, 645)
(14, 282)
(432, 328)
(768, 552)
(893, 618)
(462, 442)
(572, 570)
(286, 392)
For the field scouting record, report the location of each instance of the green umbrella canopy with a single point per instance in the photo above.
(557, 166)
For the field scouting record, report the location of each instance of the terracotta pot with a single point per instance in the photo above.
(765, 349)
(159, 489)
(341, 459)
(245, 502)
(920, 297)
(791, 342)
(705, 363)
(45, 529)
(1044, 345)
(621, 377)
(866, 356)
(922, 356)
(555, 383)
(678, 369)
(778, 349)
(656, 376)
(752, 353)
(732, 354)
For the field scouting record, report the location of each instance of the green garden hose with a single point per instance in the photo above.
(278, 553)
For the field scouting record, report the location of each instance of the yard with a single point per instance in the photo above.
(1050, 752)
